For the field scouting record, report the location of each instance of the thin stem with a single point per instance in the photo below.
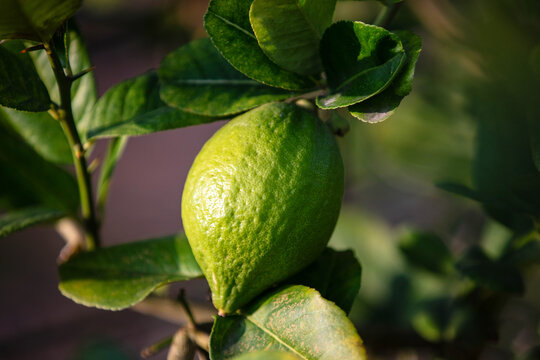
(157, 347)
(387, 14)
(182, 300)
(64, 114)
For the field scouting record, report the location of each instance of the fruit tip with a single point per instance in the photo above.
(221, 312)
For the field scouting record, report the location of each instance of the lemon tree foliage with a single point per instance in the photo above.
(40, 129)
(263, 196)
(29, 180)
(229, 28)
(382, 105)
(360, 61)
(26, 217)
(20, 86)
(273, 23)
(336, 275)
(134, 107)
(34, 19)
(197, 79)
(119, 276)
(296, 319)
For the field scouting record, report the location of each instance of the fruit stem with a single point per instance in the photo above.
(157, 347)
(64, 114)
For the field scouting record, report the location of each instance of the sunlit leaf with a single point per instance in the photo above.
(23, 218)
(296, 319)
(34, 19)
(134, 107)
(227, 24)
(119, 276)
(337, 275)
(197, 79)
(20, 85)
(289, 31)
(383, 105)
(360, 61)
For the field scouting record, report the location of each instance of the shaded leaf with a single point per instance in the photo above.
(119, 276)
(29, 180)
(504, 167)
(383, 105)
(534, 126)
(462, 190)
(495, 275)
(267, 355)
(439, 319)
(34, 19)
(336, 275)
(134, 107)
(114, 152)
(20, 85)
(227, 24)
(294, 319)
(23, 218)
(197, 79)
(360, 61)
(289, 31)
(426, 251)
(41, 130)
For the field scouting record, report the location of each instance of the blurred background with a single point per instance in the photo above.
(479, 70)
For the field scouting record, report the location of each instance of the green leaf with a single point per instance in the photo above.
(360, 61)
(296, 319)
(41, 130)
(289, 31)
(427, 251)
(28, 180)
(114, 152)
(134, 107)
(496, 275)
(197, 79)
(43, 133)
(336, 275)
(20, 85)
(34, 19)
(267, 355)
(383, 105)
(119, 276)
(23, 218)
(227, 24)
(83, 90)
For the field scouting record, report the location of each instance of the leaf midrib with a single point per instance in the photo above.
(230, 23)
(245, 82)
(274, 336)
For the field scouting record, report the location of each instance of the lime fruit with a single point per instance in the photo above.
(261, 200)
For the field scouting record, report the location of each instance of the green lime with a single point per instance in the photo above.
(261, 200)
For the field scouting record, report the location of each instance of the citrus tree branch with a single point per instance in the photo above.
(63, 113)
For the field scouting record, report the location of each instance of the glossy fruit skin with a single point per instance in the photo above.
(261, 200)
